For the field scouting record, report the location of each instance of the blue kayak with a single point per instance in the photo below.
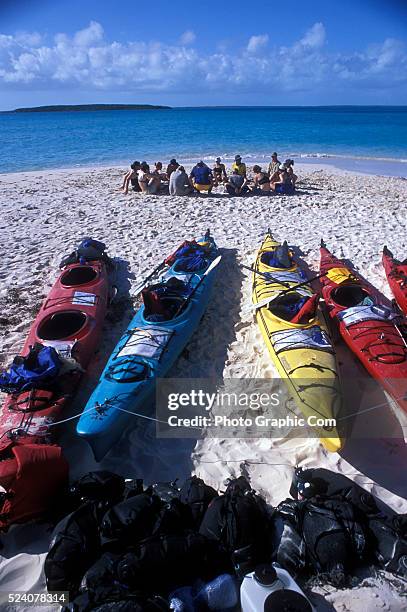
(153, 341)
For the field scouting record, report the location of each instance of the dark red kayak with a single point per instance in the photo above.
(368, 326)
(396, 273)
(70, 320)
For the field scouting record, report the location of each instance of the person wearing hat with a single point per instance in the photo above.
(274, 166)
(173, 165)
(239, 166)
(219, 172)
(283, 183)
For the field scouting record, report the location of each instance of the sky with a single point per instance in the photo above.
(203, 53)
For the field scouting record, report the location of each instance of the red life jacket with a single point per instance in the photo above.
(307, 311)
(32, 477)
(153, 303)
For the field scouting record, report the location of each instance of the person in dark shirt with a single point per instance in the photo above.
(173, 165)
(131, 177)
(261, 181)
(201, 177)
(219, 172)
(289, 163)
(237, 184)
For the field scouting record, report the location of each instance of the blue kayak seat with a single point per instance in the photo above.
(163, 301)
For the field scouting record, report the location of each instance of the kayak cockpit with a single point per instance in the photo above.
(280, 257)
(295, 307)
(80, 275)
(181, 268)
(62, 325)
(350, 295)
(167, 309)
(165, 301)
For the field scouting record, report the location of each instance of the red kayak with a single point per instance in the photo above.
(70, 321)
(396, 273)
(368, 327)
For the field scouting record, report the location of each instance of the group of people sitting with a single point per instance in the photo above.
(279, 178)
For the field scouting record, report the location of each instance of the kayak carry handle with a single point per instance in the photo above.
(323, 243)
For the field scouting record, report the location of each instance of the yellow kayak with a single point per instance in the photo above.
(297, 338)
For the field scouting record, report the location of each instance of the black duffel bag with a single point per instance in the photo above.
(240, 521)
(75, 546)
(157, 565)
(197, 495)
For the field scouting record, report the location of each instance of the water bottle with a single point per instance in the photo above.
(221, 594)
(271, 589)
(182, 600)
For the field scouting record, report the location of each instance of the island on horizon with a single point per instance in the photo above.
(86, 107)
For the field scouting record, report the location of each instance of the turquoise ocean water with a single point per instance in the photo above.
(370, 139)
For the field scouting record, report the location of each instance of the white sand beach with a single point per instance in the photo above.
(44, 214)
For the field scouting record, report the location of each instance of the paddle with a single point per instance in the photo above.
(143, 283)
(269, 276)
(266, 275)
(271, 299)
(185, 304)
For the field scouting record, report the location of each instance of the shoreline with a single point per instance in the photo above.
(305, 165)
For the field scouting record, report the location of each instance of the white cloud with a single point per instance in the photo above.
(314, 37)
(29, 39)
(257, 42)
(187, 38)
(89, 36)
(387, 54)
(88, 61)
